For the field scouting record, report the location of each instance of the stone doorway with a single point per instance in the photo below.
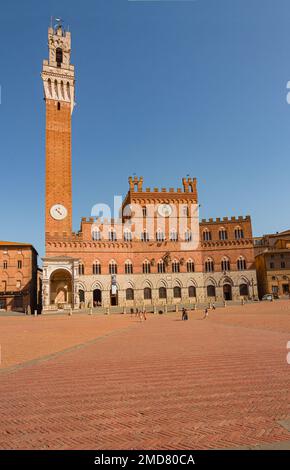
(227, 290)
(97, 298)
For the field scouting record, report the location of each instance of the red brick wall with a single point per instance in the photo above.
(58, 164)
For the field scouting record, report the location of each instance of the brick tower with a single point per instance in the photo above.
(58, 82)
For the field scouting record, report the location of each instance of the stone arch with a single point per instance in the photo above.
(147, 283)
(130, 285)
(226, 280)
(97, 285)
(82, 286)
(177, 282)
(162, 283)
(61, 289)
(244, 280)
(210, 281)
(191, 282)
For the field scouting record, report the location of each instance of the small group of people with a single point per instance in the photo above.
(140, 313)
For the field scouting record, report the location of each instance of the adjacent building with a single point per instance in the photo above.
(273, 263)
(155, 250)
(18, 277)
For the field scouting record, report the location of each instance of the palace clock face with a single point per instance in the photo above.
(58, 212)
(165, 210)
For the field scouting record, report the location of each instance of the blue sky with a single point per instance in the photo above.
(164, 89)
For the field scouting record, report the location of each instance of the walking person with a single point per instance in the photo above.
(183, 314)
(205, 313)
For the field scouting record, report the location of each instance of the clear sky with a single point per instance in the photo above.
(164, 89)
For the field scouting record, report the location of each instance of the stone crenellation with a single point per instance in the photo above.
(136, 185)
(219, 220)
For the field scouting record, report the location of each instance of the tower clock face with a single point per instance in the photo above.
(58, 212)
(165, 210)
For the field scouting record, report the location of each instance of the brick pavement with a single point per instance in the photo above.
(222, 382)
(27, 338)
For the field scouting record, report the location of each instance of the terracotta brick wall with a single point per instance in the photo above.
(58, 164)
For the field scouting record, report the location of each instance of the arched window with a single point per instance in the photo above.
(58, 56)
(146, 267)
(176, 266)
(49, 87)
(128, 235)
(239, 233)
(241, 264)
(128, 267)
(161, 266)
(209, 266)
(225, 264)
(58, 106)
(96, 234)
(112, 235)
(162, 293)
(145, 236)
(210, 291)
(113, 267)
(147, 293)
(177, 292)
(188, 236)
(173, 235)
(244, 290)
(160, 237)
(82, 295)
(5, 264)
(56, 88)
(97, 267)
(129, 294)
(206, 235)
(191, 291)
(223, 234)
(62, 90)
(190, 266)
(68, 90)
(81, 269)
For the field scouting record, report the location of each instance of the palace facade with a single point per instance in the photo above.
(19, 277)
(156, 251)
(273, 264)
